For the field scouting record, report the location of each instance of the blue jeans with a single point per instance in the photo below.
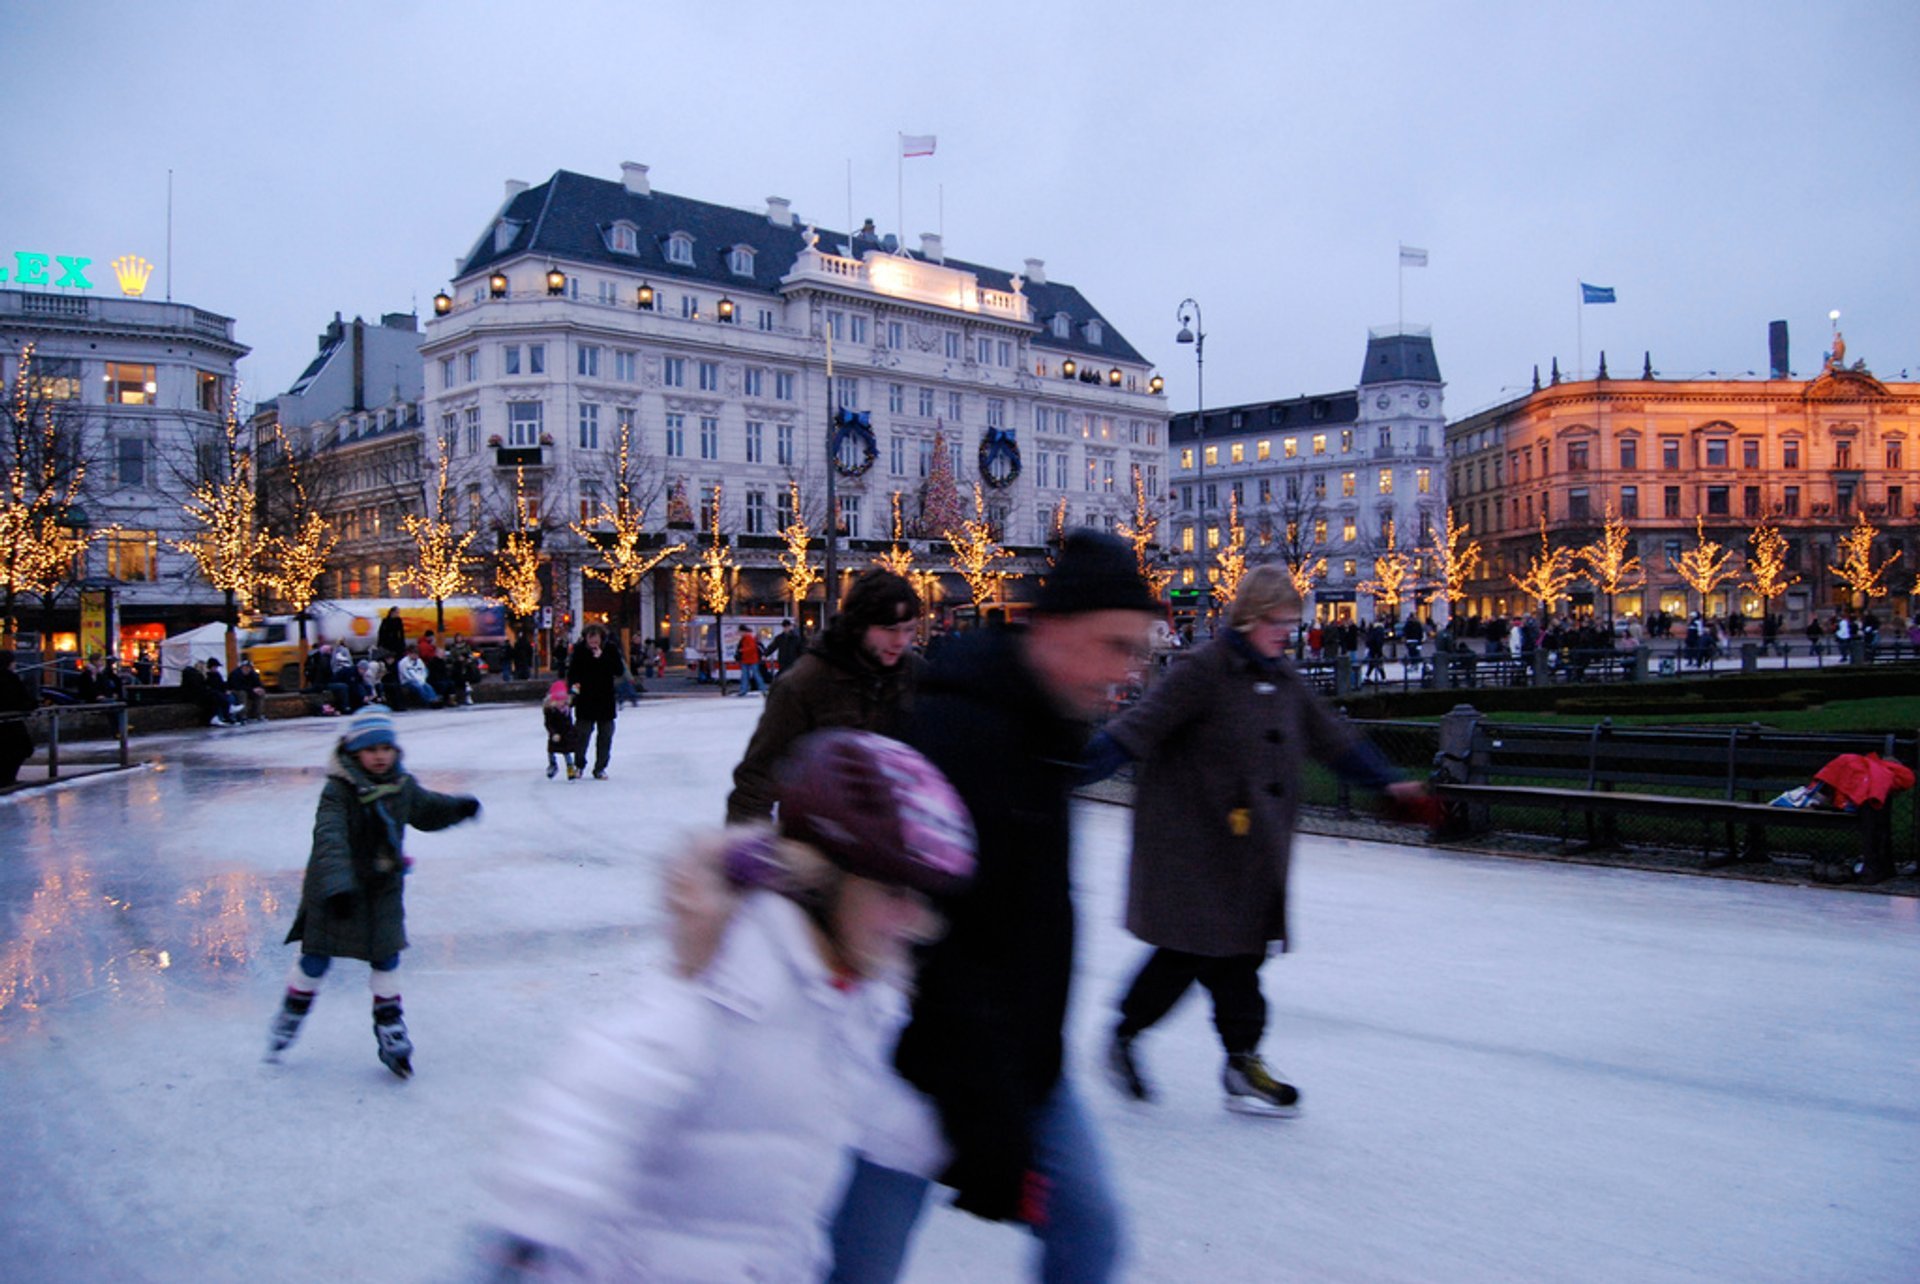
(750, 679)
(1081, 1243)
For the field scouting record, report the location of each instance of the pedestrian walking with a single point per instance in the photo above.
(788, 646)
(746, 653)
(1219, 744)
(593, 669)
(351, 901)
(861, 674)
(699, 1134)
(1004, 716)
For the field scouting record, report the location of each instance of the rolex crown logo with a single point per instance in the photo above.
(132, 272)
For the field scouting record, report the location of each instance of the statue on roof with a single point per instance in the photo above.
(1837, 359)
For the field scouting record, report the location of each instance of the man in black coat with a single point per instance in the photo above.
(1004, 715)
(788, 647)
(593, 672)
(392, 635)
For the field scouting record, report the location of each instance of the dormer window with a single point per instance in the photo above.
(623, 238)
(504, 233)
(680, 249)
(1093, 332)
(1062, 326)
(740, 260)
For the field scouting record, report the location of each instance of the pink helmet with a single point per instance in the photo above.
(878, 809)
(558, 691)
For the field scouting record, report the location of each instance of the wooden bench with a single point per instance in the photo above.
(1720, 781)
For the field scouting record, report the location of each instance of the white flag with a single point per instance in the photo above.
(1410, 257)
(916, 144)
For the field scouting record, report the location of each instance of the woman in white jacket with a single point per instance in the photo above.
(703, 1135)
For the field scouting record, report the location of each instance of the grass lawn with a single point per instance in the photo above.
(1895, 713)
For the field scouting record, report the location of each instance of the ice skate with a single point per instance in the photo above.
(1252, 1089)
(1124, 1071)
(553, 769)
(573, 772)
(286, 1022)
(396, 1049)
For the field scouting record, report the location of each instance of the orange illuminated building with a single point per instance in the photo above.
(1808, 455)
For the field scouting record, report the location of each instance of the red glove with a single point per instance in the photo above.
(1415, 806)
(1035, 1191)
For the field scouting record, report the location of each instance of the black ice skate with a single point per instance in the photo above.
(1124, 1071)
(1252, 1089)
(286, 1022)
(396, 1049)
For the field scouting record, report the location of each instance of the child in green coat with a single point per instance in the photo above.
(350, 903)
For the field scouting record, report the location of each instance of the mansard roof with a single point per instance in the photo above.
(1394, 358)
(567, 216)
(1295, 414)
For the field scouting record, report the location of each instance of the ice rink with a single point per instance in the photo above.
(1510, 1070)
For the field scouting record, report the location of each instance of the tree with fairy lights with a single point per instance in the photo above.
(716, 569)
(299, 537)
(1230, 562)
(940, 510)
(617, 531)
(516, 565)
(1455, 557)
(1857, 570)
(1704, 566)
(1767, 567)
(45, 476)
(976, 552)
(900, 560)
(1548, 574)
(800, 572)
(1143, 532)
(439, 566)
(229, 546)
(1609, 560)
(1392, 576)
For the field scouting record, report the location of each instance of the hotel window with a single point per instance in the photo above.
(470, 359)
(709, 372)
(1213, 537)
(850, 516)
(926, 403)
(1003, 352)
(1750, 501)
(1843, 454)
(1893, 455)
(523, 423)
(470, 420)
(589, 503)
(1717, 452)
(1319, 443)
(1212, 454)
(783, 445)
(896, 335)
(856, 328)
(133, 556)
(1717, 501)
(952, 344)
(690, 307)
(1289, 447)
(130, 384)
(623, 421)
(673, 372)
(782, 386)
(756, 440)
(709, 437)
(1238, 452)
(447, 378)
(1186, 456)
(1629, 501)
(624, 365)
(783, 508)
(766, 318)
(756, 512)
(1319, 530)
(1386, 481)
(1896, 501)
(1790, 501)
(1060, 474)
(1319, 485)
(1577, 504)
(1349, 529)
(1423, 480)
(208, 387)
(1266, 490)
(1186, 539)
(1749, 454)
(536, 358)
(897, 457)
(623, 238)
(130, 462)
(1576, 456)
(953, 406)
(1670, 453)
(1629, 454)
(709, 501)
(753, 382)
(676, 435)
(740, 261)
(983, 351)
(1670, 506)
(846, 392)
(896, 398)
(680, 248)
(996, 412)
(587, 361)
(1349, 485)
(510, 359)
(1346, 440)
(1348, 567)
(58, 379)
(1263, 452)
(589, 426)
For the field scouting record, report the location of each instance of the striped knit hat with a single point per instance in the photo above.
(370, 727)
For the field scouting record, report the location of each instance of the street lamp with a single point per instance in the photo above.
(1193, 330)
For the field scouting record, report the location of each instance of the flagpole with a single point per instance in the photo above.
(833, 523)
(1400, 314)
(900, 184)
(1579, 333)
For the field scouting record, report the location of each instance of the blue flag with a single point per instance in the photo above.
(1596, 293)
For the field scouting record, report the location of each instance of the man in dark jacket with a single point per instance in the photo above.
(788, 647)
(861, 676)
(392, 634)
(1004, 716)
(593, 672)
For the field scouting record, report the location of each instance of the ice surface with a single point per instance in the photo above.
(1511, 1070)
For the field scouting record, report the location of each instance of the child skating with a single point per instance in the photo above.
(351, 902)
(557, 708)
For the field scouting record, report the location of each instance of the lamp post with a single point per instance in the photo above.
(1193, 330)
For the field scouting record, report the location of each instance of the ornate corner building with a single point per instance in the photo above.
(720, 342)
(1332, 476)
(1674, 457)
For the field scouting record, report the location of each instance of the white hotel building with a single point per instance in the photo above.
(588, 304)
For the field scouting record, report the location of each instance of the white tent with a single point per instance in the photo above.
(208, 642)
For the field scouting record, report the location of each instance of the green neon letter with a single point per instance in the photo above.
(73, 272)
(29, 269)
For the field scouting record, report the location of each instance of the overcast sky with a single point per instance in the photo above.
(1720, 164)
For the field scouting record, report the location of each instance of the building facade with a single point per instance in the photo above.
(719, 341)
(141, 390)
(353, 425)
(1334, 476)
(1672, 457)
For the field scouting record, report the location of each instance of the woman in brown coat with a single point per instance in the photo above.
(1219, 743)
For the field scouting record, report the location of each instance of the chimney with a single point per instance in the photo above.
(514, 188)
(779, 211)
(1777, 350)
(1036, 271)
(930, 248)
(359, 333)
(634, 176)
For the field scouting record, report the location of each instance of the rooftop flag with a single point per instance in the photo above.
(916, 144)
(1410, 257)
(1596, 293)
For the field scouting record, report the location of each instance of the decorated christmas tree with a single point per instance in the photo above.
(939, 495)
